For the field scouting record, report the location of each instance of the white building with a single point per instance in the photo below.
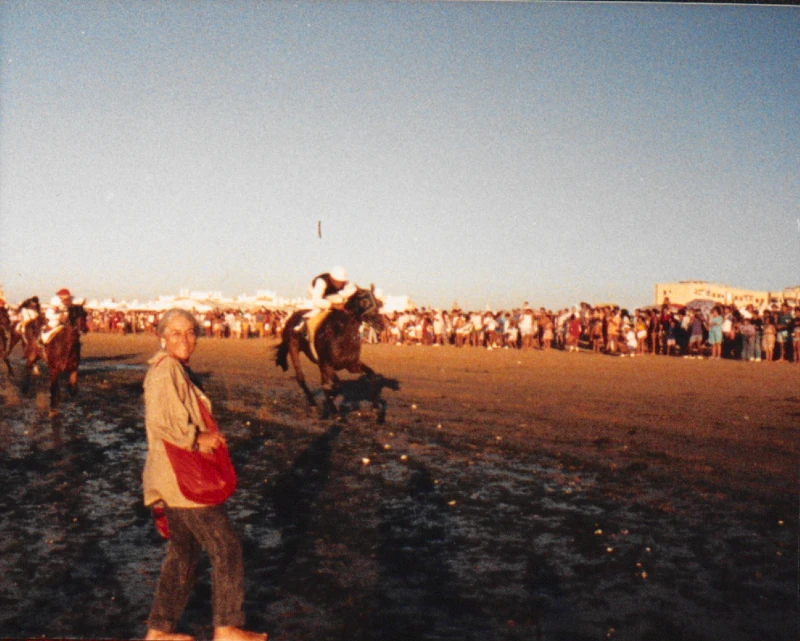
(685, 291)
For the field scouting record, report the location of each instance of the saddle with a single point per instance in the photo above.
(50, 334)
(311, 326)
(19, 329)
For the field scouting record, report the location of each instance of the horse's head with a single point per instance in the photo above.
(365, 307)
(77, 317)
(31, 303)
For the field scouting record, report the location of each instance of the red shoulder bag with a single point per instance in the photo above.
(203, 477)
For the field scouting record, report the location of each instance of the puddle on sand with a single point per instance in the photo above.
(100, 366)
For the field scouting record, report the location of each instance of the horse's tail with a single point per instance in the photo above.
(281, 353)
(287, 337)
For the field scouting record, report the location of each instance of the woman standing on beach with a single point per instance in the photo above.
(177, 417)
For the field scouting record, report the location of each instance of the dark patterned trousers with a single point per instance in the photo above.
(193, 530)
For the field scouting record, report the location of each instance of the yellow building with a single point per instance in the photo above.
(684, 291)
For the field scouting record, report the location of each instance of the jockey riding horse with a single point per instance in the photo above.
(336, 346)
(61, 354)
(329, 290)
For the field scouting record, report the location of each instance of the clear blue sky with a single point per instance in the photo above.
(484, 153)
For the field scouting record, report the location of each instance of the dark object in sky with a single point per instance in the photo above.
(319, 229)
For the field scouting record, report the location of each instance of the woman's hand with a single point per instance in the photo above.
(209, 441)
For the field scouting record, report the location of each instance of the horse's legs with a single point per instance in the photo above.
(55, 393)
(330, 385)
(5, 348)
(73, 382)
(32, 355)
(375, 393)
(30, 368)
(14, 338)
(294, 355)
(26, 380)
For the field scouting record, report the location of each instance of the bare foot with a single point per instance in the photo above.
(229, 633)
(157, 635)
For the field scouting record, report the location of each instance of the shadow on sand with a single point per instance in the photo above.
(362, 390)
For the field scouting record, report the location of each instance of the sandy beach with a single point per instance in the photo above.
(508, 495)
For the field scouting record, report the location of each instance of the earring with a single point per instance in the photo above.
(163, 343)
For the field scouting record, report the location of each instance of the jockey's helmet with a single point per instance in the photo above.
(63, 293)
(339, 274)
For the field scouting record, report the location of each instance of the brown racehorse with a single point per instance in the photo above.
(338, 346)
(9, 337)
(61, 354)
(6, 337)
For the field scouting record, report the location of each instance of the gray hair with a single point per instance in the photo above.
(172, 313)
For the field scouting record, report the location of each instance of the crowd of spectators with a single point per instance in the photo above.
(671, 330)
(721, 331)
(218, 323)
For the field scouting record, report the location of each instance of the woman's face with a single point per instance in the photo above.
(180, 338)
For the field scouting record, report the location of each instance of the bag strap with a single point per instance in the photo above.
(205, 414)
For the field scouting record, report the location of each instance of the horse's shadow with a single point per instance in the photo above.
(365, 390)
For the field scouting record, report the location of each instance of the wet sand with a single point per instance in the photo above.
(508, 495)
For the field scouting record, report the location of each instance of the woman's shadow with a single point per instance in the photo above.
(296, 490)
